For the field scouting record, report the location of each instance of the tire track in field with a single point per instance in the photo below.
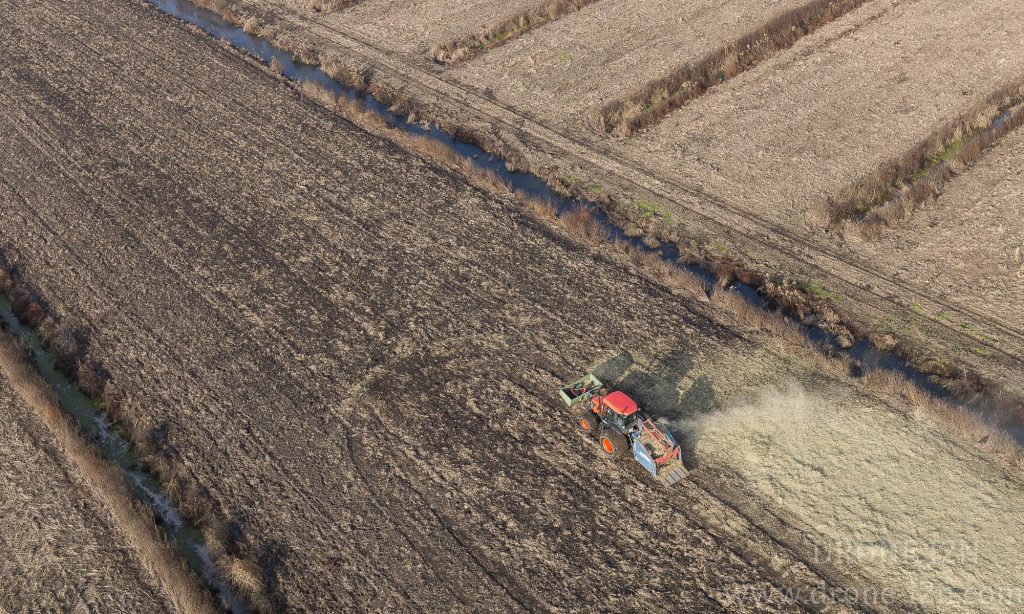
(746, 552)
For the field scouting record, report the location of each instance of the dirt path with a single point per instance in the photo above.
(872, 293)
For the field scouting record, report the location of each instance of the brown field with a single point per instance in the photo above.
(62, 550)
(749, 171)
(564, 71)
(351, 352)
(973, 231)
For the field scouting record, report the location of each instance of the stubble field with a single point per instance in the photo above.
(353, 353)
(751, 170)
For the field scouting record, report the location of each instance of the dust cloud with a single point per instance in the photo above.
(878, 492)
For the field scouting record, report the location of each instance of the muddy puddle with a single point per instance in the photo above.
(116, 449)
(527, 183)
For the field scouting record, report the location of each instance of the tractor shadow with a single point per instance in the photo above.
(656, 390)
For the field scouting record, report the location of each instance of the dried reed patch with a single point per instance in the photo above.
(582, 226)
(247, 577)
(501, 32)
(896, 189)
(180, 585)
(667, 273)
(771, 322)
(538, 208)
(658, 98)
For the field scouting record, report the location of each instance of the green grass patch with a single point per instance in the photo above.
(819, 291)
(649, 210)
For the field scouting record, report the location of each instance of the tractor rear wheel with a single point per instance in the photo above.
(613, 443)
(587, 421)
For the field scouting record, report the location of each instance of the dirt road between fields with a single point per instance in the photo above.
(355, 354)
(722, 214)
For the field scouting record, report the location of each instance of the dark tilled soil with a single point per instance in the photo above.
(351, 351)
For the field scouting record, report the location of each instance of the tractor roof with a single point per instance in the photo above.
(620, 403)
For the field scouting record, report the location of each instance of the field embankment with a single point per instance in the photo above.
(73, 534)
(331, 5)
(500, 32)
(662, 96)
(586, 60)
(968, 236)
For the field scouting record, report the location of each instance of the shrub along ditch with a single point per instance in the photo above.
(660, 97)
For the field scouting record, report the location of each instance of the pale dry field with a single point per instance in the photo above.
(564, 70)
(968, 243)
(924, 519)
(61, 550)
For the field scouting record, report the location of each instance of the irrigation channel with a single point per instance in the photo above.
(95, 425)
(527, 183)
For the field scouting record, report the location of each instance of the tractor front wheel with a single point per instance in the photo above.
(613, 444)
(587, 421)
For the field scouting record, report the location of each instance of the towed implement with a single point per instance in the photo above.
(619, 425)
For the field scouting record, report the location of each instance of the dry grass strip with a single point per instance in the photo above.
(73, 357)
(658, 98)
(328, 6)
(499, 33)
(178, 582)
(896, 189)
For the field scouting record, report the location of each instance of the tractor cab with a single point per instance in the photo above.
(618, 410)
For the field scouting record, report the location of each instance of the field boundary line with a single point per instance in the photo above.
(827, 262)
(179, 585)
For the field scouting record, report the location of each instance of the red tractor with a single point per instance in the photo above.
(620, 427)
